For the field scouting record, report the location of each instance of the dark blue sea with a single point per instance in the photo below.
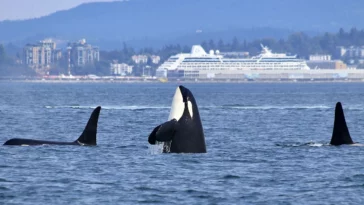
(266, 144)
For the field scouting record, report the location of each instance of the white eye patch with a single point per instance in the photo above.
(177, 107)
(189, 105)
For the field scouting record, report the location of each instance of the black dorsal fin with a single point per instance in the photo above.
(88, 136)
(340, 134)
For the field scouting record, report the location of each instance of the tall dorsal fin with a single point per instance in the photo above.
(340, 134)
(88, 136)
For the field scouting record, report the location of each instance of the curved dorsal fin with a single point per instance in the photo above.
(340, 134)
(88, 136)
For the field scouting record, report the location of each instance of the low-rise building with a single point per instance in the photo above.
(326, 64)
(155, 59)
(320, 57)
(351, 52)
(139, 59)
(120, 69)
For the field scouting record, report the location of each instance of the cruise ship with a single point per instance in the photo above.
(199, 64)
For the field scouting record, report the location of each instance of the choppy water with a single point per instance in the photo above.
(266, 145)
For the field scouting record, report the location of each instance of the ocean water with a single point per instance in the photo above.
(266, 143)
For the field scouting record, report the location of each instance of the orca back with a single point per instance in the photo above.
(88, 136)
(30, 142)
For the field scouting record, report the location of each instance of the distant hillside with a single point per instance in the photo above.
(161, 21)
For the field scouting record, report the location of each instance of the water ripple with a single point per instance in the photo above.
(267, 144)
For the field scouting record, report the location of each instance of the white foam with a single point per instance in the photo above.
(357, 145)
(156, 149)
(314, 144)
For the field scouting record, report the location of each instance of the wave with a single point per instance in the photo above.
(278, 107)
(235, 106)
(310, 144)
(132, 107)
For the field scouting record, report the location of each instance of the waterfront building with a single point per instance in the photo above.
(81, 54)
(120, 69)
(155, 59)
(320, 57)
(351, 52)
(140, 59)
(41, 56)
(325, 62)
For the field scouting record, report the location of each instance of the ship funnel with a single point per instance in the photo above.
(198, 50)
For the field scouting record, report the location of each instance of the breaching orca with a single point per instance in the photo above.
(88, 136)
(340, 134)
(183, 133)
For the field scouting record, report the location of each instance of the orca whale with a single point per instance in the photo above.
(88, 136)
(340, 133)
(183, 132)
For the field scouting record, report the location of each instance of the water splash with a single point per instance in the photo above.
(160, 147)
(155, 149)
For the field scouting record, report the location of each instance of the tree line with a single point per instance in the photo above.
(10, 66)
(298, 43)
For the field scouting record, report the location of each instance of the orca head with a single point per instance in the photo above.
(183, 101)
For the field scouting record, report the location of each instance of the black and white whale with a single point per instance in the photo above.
(340, 133)
(183, 132)
(88, 136)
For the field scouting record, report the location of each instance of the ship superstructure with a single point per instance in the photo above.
(199, 64)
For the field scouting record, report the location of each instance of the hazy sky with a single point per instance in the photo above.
(23, 9)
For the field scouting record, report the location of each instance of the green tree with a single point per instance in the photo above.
(211, 45)
(244, 45)
(205, 45)
(235, 45)
(298, 43)
(186, 49)
(102, 68)
(221, 45)
(2, 54)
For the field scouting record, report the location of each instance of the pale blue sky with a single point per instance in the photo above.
(24, 9)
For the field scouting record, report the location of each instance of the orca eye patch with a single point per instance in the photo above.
(190, 108)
